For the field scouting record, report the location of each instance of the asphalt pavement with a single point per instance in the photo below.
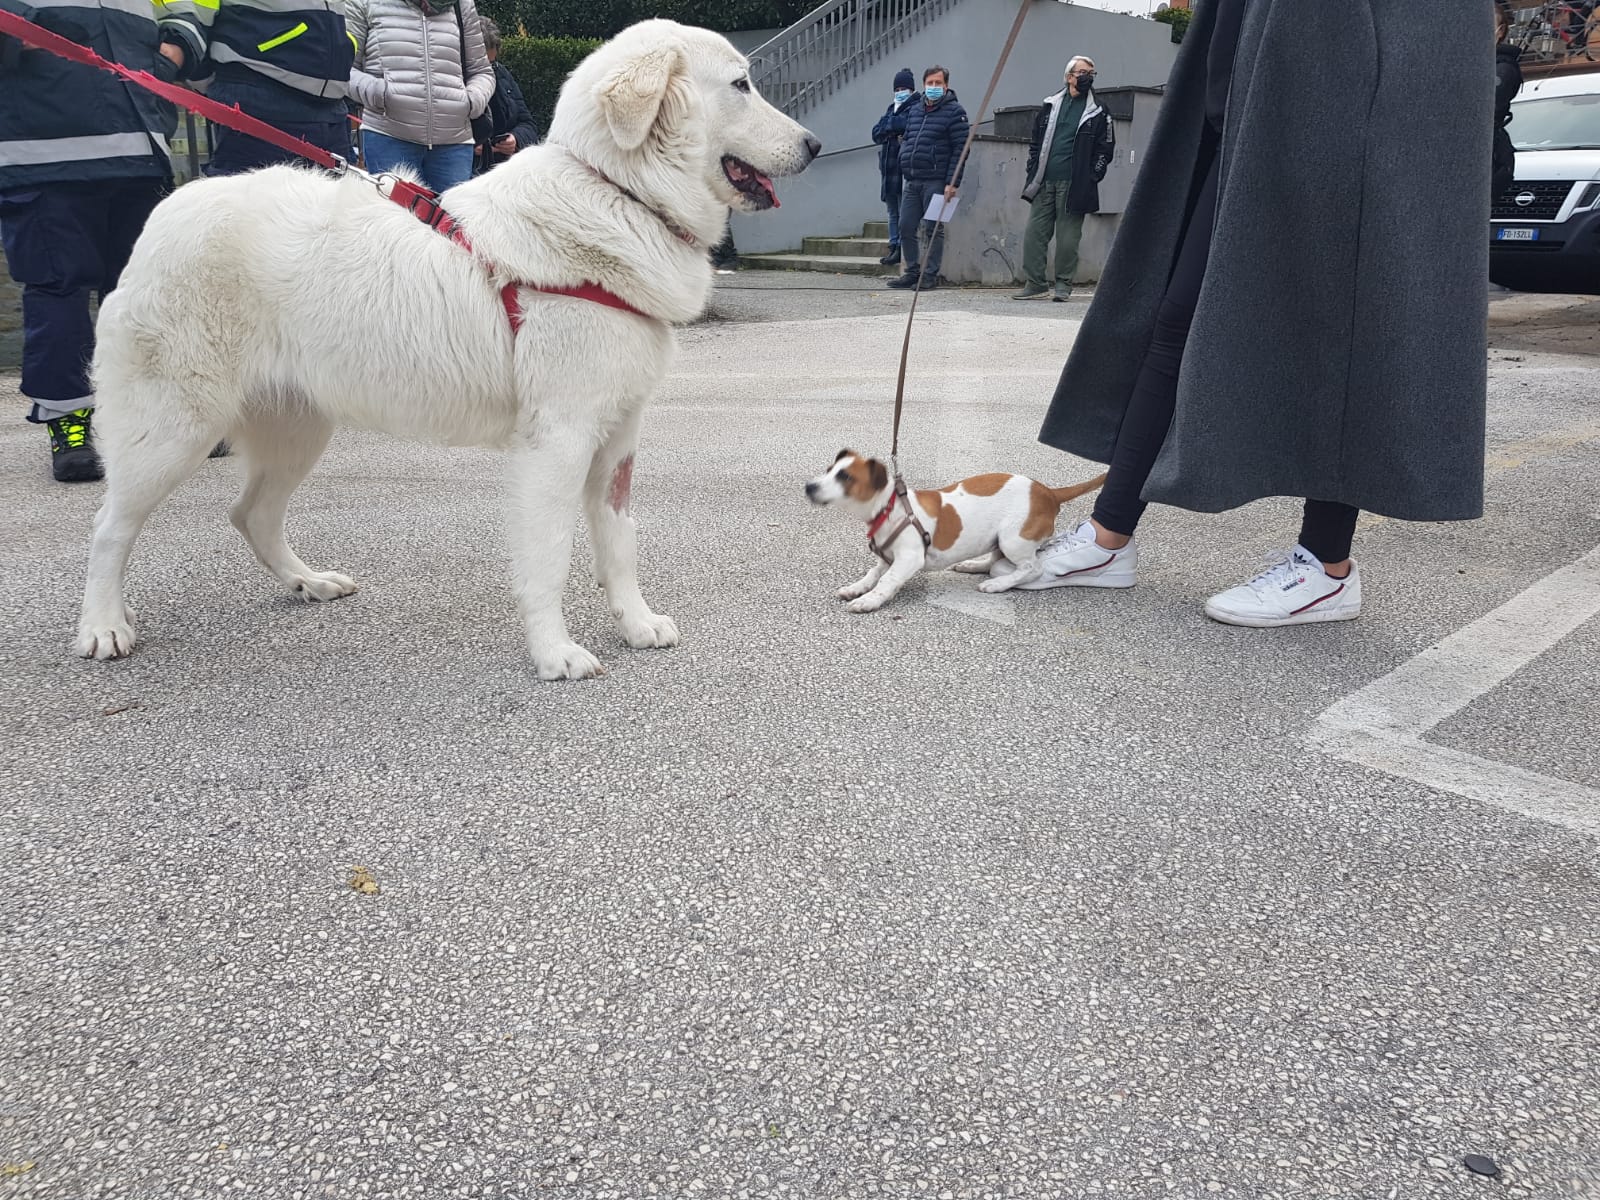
(1027, 896)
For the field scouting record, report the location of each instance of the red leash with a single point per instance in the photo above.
(419, 201)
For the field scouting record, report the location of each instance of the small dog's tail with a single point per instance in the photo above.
(1062, 494)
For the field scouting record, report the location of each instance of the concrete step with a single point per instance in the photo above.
(876, 229)
(838, 264)
(849, 247)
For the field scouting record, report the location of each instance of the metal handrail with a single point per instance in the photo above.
(833, 43)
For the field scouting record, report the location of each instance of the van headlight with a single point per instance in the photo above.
(1588, 198)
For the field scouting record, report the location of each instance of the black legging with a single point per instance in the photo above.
(1326, 529)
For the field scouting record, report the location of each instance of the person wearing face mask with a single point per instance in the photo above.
(1073, 144)
(936, 131)
(887, 133)
(1294, 303)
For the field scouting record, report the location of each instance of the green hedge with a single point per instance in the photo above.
(1178, 18)
(602, 18)
(545, 40)
(541, 65)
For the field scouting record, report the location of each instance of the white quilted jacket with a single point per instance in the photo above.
(411, 77)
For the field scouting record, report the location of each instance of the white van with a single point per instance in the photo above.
(1545, 232)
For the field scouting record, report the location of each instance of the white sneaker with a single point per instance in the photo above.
(1075, 559)
(1293, 590)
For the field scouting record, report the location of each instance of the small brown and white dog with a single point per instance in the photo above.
(984, 522)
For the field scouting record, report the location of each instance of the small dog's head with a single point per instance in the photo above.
(854, 483)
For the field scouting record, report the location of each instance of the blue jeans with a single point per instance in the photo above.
(923, 251)
(441, 168)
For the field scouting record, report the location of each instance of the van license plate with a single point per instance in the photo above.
(1519, 235)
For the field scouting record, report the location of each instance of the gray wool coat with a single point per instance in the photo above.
(1338, 350)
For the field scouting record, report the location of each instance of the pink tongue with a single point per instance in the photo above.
(771, 191)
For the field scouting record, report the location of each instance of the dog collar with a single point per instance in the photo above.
(908, 520)
(877, 522)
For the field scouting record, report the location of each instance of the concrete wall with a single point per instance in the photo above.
(839, 193)
(985, 243)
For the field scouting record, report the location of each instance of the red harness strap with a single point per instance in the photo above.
(424, 204)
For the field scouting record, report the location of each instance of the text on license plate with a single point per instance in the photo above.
(1519, 235)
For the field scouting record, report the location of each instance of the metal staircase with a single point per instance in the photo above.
(832, 44)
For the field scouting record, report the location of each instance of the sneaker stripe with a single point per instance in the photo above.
(1317, 601)
(1081, 570)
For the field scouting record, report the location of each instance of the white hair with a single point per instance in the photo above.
(1078, 58)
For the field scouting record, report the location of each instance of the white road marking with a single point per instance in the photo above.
(1382, 726)
(959, 593)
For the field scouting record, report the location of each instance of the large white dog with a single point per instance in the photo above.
(271, 307)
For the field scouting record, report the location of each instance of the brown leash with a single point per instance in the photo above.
(938, 230)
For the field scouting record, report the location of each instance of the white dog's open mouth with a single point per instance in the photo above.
(750, 182)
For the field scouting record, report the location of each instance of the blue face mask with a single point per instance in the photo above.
(902, 96)
(934, 93)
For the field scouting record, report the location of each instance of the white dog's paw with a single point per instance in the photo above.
(1004, 584)
(865, 604)
(648, 631)
(975, 566)
(323, 585)
(104, 640)
(566, 660)
(851, 590)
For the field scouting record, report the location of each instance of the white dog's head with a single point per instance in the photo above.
(669, 111)
(854, 482)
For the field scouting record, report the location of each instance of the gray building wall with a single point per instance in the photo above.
(839, 193)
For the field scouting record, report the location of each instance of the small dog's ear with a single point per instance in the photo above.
(632, 94)
(842, 454)
(879, 475)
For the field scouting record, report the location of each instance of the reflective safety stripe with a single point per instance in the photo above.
(310, 84)
(274, 43)
(354, 45)
(296, 9)
(183, 5)
(33, 152)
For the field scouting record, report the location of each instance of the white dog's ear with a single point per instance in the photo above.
(631, 94)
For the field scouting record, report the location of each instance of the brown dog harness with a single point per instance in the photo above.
(903, 501)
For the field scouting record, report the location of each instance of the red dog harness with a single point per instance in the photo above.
(424, 204)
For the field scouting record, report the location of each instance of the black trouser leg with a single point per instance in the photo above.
(1328, 528)
(1155, 395)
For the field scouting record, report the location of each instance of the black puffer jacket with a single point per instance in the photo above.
(507, 113)
(1507, 83)
(933, 139)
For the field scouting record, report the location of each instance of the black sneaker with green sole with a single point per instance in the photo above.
(72, 455)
